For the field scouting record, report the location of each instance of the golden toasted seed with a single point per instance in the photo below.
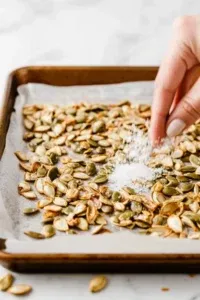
(60, 224)
(60, 186)
(53, 207)
(44, 202)
(190, 147)
(104, 143)
(30, 177)
(49, 190)
(187, 221)
(39, 185)
(82, 224)
(42, 128)
(178, 153)
(91, 214)
(34, 235)
(98, 126)
(175, 223)
(80, 175)
(72, 194)
(97, 229)
(30, 210)
(29, 195)
(99, 158)
(28, 124)
(194, 235)
(25, 166)
(40, 150)
(6, 281)
(167, 162)
(98, 283)
(20, 289)
(79, 209)
(21, 156)
(60, 201)
(119, 206)
(23, 187)
(100, 220)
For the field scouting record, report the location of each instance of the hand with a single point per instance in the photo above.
(176, 103)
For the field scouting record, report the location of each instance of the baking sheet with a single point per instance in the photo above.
(13, 222)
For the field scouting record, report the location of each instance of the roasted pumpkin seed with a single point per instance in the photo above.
(6, 281)
(20, 289)
(98, 283)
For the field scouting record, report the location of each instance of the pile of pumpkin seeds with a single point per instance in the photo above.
(71, 152)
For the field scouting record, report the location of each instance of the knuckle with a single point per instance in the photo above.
(190, 108)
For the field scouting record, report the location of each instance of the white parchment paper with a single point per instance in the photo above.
(13, 222)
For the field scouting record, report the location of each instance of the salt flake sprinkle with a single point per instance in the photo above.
(133, 170)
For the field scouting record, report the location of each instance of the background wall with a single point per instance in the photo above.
(86, 32)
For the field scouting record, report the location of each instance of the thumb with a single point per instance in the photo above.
(186, 112)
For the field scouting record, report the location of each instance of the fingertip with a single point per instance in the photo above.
(156, 134)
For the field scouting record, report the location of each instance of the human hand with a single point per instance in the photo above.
(176, 103)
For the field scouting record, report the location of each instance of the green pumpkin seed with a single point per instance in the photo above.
(91, 169)
(48, 231)
(194, 160)
(53, 173)
(34, 235)
(188, 169)
(100, 179)
(192, 176)
(116, 196)
(186, 186)
(126, 215)
(169, 191)
(136, 207)
(30, 210)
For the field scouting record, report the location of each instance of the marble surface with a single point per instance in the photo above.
(92, 32)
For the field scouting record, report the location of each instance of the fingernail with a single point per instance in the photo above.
(175, 127)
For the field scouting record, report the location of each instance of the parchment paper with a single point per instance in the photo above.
(13, 222)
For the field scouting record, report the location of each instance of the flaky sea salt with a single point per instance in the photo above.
(132, 171)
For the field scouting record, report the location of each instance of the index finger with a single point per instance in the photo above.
(181, 57)
(169, 77)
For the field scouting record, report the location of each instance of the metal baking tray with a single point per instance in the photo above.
(70, 262)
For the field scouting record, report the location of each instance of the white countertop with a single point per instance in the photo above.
(92, 32)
